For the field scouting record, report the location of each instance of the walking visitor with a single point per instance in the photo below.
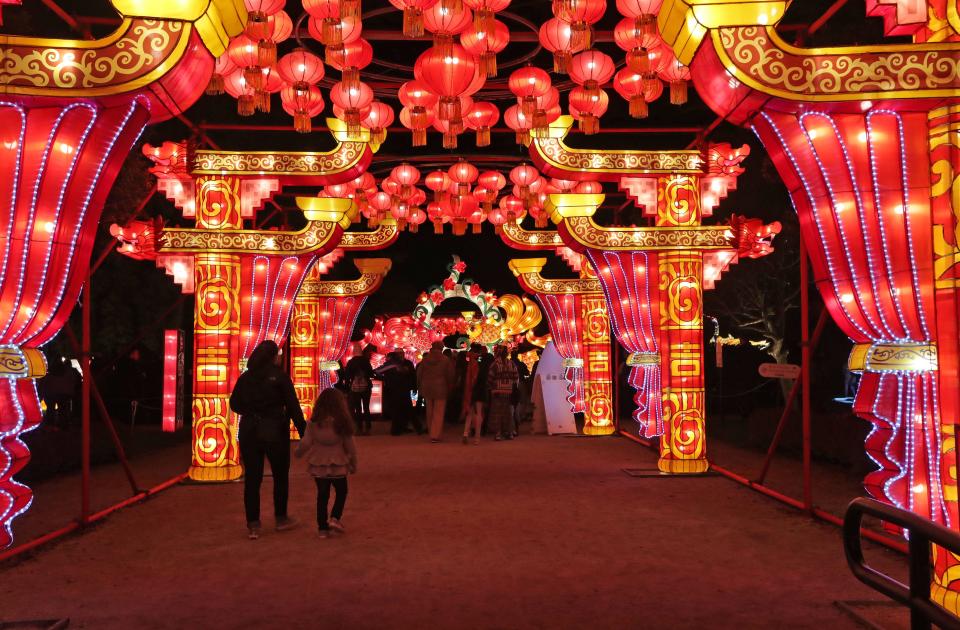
(358, 375)
(331, 454)
(502, 381)
(266, 401)
(434, 382)
(399, 379)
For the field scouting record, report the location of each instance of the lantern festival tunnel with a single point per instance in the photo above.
(716, 237)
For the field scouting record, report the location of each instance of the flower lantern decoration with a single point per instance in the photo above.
(581, 15)
(449, 75)
(591, 70)
(350, 58)
(377, 120)
(352, 100)
(527, 84)
(556, 36)
(481, 118)
(485, 44)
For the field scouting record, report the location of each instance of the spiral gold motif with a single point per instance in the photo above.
(516, 236)
(342, 157)
(555, 153)
(312, 238)
(703, 237)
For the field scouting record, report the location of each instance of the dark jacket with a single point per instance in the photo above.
(267, 393)
(399, 378)
(480, 385)
(358, 367)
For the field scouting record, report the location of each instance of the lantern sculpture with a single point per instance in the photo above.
(580, 329)
(485, 44)
(324, 315)
(557, 37)
(245, 281)
(527, 84)
(870, 166)
(449, 74)
(652, 278)
(67, 127)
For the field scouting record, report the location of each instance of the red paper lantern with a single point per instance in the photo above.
(492, 180)
(438, 182)
(258, 26)
(630, 85)
(407, 176)
(221, 68)
(546, 110)
(591, 69)
(377, 120)
(481, 118)
(637, 41)
(589, 188)
(520, 124)
(413, 15)
(587, 107)
(417, 123)
(350, 58)
(448, 75)
(352, 100)
(581, 14)
(512, 207)
(416, 219)
(449, 133)
(463, 174)
(244, 54)
(438, 214)
(638, 8)
(557, 37)
(236, 85)
(522, 176)
(677, 75)
(445, 23)
(300, 68)
(485, 44)
(527, 84)
(303, 104)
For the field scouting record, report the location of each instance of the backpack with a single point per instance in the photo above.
(360, 383)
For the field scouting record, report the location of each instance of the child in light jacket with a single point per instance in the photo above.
(331, 454)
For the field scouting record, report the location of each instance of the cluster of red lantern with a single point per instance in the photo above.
(462, 195)
(466, 39)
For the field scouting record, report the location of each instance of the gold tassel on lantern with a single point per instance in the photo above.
(438, 226)
(419, 137)
(638, 107)
(452, 6)
(449, 108)
(561, 62)
(401, 224)
(591, 89)
(351, 78)
(488, 63)
(258, 25)
(412, 22)
(215, 86)
(267, 53)
(483, 137)
(449, 141)
(253, 76)
(483, 20)
(638, 60)
(246, 105)
(541, 221)
(581, 36)
(678, 92)
(459, 227)
(476, 228)
(528, 106)
(414, 227)
(350, 8)
(377, 136)
(302, 122)
(332, 32)
(262, 99)
(539, 118)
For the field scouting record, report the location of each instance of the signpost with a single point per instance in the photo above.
(780, 370)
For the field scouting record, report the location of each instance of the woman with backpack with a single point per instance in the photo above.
(358, 375)
(266, 401)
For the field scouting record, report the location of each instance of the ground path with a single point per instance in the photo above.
(541, 532)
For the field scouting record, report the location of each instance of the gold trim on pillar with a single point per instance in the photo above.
(16, 362)
(643, 359)
(385, 234)
(372, 273)
(528, 271)
(893, 357)
(515, 236)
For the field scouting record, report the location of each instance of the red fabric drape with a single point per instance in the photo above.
(564, 316)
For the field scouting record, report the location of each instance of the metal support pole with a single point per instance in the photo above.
(85, 404)
(805, 371)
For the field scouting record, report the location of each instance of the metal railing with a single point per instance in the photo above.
(921, 532)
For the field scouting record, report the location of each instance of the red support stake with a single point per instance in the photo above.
(85, 405)
(805, 371)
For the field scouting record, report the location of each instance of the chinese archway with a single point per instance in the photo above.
(324, 314)
(580, 329)
(70, 113)
(653, 277)
(246, 280)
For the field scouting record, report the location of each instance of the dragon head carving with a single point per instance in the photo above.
(138, 239)
(751, 238)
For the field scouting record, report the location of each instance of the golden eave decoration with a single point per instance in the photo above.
(742, 36)
(527, 270)
(575, 214)
(153, 38)
(515, 236)
(372, 273)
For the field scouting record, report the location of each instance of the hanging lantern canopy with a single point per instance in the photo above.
(445, 24)
(413, 15)
(581, 14)
(300, 68)
(377, 120)
(352, 100)
(630, 86)
(463, 174)
(243, 53)
(438, 182)
(221, 68)
(527, 84)
(677, 75)
(417, 124)
(557, 37)
(637, 42)
(587, 107)
(481, 118)
(236, 85)
(520, 124)
(447, 75)
(591, 69)
(485, 44)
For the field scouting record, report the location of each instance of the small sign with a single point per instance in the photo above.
(779, 370)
